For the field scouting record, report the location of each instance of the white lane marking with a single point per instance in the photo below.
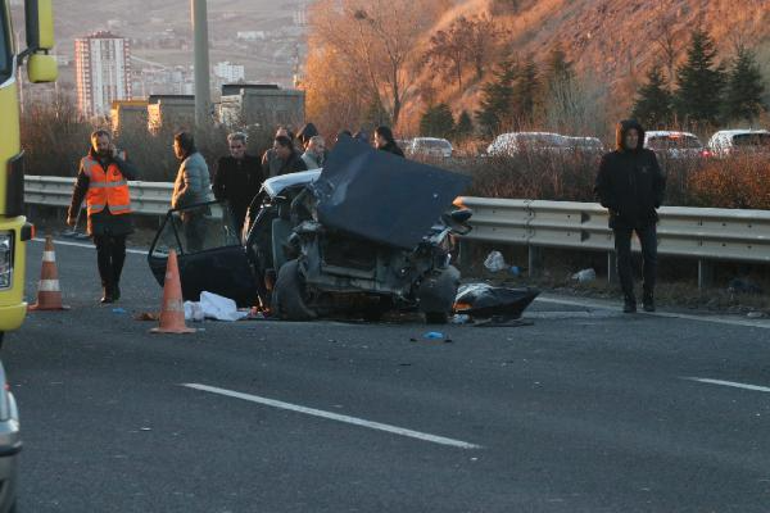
(89, 246)
(733, 384)
(334, 416)
(666, 315)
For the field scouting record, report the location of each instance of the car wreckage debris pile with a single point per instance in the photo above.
(368, 235)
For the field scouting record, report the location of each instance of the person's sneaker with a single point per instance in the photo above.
(629, 307)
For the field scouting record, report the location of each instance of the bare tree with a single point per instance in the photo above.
(667, 41)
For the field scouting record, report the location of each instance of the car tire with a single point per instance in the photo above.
(288, 299)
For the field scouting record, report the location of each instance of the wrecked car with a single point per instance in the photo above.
(368, 234)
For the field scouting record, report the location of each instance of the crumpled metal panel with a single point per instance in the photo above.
(383, 197)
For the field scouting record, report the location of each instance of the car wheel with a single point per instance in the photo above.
(288, 301)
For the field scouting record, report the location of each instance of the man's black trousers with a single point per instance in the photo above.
(110, 255)
(648, 238)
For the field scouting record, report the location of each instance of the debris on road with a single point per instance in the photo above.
(585, 276)
(495, 262)
(461, 319)
(213, 306)
(481, 300)
(119, 311)
(147, 316)
(433, 335)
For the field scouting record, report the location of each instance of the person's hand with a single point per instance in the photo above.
(71, 221)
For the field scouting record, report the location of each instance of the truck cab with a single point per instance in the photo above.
(15, 231)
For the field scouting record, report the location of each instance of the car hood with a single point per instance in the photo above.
(276, 185)
(383, 197)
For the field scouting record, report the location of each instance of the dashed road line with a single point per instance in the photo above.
(733, 384)
(334, 416)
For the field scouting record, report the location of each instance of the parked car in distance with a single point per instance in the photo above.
(515, 143)
(430, 147)
(585, 144)
(726, 143)
(674, 144)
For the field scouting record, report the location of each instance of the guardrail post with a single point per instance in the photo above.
(612, 268)
(464, 255)
(705, 274)
(535, 261)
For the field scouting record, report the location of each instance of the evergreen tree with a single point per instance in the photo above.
(745, 89)
(464, 127)
(653, 103)
(700, 82)
(559, 71)
(496, 100)
(526, 92)
(437, 121)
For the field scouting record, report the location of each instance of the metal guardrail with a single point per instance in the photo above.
(707, 234)
(147, 198)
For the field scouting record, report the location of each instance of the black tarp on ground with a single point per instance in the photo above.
(382, 197)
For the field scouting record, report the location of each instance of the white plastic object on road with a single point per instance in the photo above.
(585, 276)
(193, 311)
(495, 262)
(213, 306)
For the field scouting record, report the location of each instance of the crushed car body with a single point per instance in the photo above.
(368, 234)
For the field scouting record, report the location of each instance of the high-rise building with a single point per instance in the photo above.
(102, 72)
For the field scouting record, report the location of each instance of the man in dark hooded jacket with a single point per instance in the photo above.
(631, 185)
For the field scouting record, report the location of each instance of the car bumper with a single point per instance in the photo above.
(12, 317)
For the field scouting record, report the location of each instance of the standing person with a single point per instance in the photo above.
(192, 186)
(383, 140)
(341, 134)
(103, 182)
(238, 179)
(315, 155)
(305, 134)
(271, 164)
(631, 185)
(291, 160)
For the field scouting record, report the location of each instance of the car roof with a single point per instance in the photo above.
(742, 131)
(439, 139)
(666, 133)
(275, 185)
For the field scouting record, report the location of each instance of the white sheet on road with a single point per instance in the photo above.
(213, 306)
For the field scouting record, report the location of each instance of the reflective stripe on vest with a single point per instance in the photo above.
(106, 189)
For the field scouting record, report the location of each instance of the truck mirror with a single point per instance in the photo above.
(39, 19)
(42, 68)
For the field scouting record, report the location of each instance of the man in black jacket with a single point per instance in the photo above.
(238, 179)
(289, 158)
(631, 185)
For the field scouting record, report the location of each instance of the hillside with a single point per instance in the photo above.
(611, 43)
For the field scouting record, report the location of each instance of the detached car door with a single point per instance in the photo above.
(209, 251)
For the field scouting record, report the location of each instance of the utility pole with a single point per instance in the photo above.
(202, 85)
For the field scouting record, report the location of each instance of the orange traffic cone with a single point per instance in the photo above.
(172, 310)
(48, 290)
